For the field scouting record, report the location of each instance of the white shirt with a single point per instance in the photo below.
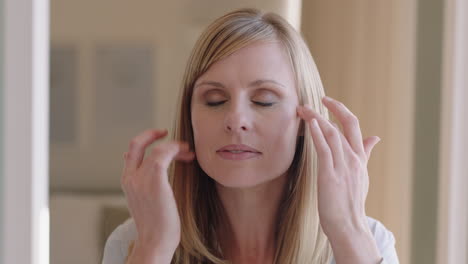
(115, 251)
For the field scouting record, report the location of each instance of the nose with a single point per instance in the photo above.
(237, 120)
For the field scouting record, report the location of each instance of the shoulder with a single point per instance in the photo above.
(385, 241)
(116, 248)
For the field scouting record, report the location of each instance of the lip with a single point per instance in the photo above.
(241, 147)
(248, 152)
(238, 156)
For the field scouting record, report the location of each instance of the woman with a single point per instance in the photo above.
(271, 179)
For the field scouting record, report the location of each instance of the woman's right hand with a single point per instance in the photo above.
(149, 195)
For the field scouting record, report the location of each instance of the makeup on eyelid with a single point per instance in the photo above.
(212, 98)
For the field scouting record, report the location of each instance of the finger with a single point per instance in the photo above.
(325, 158)
(369, 144)
(138, 146)
(349, 122)
(163, 154)
(185, 156)
(307, 113)
(331, 134)
(344, 142)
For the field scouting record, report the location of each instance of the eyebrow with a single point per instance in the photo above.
(252, 84)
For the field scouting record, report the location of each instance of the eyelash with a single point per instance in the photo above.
(214, 104)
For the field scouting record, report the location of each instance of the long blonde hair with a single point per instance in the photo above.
(299, 236)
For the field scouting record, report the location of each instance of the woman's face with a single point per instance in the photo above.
(250, 99)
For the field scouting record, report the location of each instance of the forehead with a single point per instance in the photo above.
(257, 61)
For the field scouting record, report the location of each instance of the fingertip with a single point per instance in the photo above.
(314, 123)
(371, 147)
(298, 109)
(306, 111)
(192, 155)
(375, 141)
(327, 99)
(187, 157)
(184, 146)
(159, 133)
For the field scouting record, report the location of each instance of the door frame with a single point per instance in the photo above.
(25, 135)
(452, 233)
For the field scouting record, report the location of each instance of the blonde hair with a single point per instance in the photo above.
(299, 236)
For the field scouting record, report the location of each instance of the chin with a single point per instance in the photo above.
(237, 184)
(243, 181)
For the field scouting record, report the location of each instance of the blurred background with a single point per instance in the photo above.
(116, 69)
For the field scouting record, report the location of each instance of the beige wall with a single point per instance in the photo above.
(365, 53)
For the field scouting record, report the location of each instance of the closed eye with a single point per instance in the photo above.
(212, 104)
(215, 103)
(264, 104)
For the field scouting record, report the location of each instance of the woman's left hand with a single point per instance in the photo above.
(343, 181)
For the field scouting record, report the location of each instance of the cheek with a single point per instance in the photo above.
(283, 133)
(203, 131)
(283, 122)
(198, 126)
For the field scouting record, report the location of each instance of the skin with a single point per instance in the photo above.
(250, 190)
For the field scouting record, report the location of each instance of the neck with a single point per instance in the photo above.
(248, 234)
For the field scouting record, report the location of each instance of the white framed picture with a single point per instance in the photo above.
(63, 94)
(124, 87)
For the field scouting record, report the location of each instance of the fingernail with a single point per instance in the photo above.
(314, 122)
(326, 98)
